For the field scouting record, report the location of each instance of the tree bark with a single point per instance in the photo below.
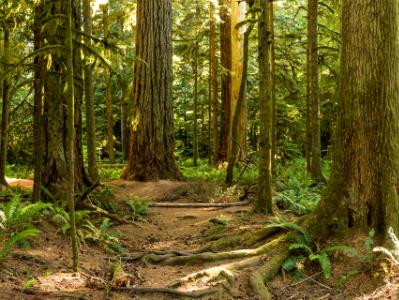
(6, 103)
(70, 132)
(313, 94)
(363, 187)
(152, 135)
(225, 61)
(108, 94)
(235, 151)
(195, 98)
(213, 84)
(273, 86)
(88, 87)
(263, 202)
(237, 68)
(40, 71)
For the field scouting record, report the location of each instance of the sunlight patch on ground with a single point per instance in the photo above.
(61, 281)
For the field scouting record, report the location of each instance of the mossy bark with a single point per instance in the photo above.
(363, 188)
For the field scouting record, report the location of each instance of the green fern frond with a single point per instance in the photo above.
(342, 248)
(296, 246)
(325, 264)
(15, 238)
(292, 226)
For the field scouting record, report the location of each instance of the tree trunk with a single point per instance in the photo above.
(273, 86)
(195, 98)
(237, 66)
(6, 105)
(225, 61)
(152, 135)
(40, 71)
(363, 187)
(237, 113)
(70, 132)
(54, 173)
(263, 202)
(80, 171)
(213, 84)
(108, 94)
(314, 152)
(88, 87)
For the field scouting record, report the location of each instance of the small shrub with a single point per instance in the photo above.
(139, 207)
(110, 240)
(303, 248)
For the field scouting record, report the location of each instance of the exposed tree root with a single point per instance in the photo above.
(222, 272)
(209, 256)
(199, 205)
(170, 291)
(267, 272)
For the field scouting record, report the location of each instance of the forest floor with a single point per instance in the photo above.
(43, 270)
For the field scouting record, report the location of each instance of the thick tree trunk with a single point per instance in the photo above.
(108, 94)
(264, 200)
(152, 136)
(55, 169)
(213, 84)
(237, 66)
(89, 87)
(5, 106)
(314, 150)
(235, 151)
(225, 61)
(363, 187)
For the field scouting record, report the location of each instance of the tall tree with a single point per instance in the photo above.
(213, 67)
(6, 98)
(264, 200)
(70, 130)
(108, 94)
(313, 118)
(54, 172)
(152, 136)
(88, 87)
(363, 187)
(237, 16)
(225, 62)
(235, 128)
(40, 71)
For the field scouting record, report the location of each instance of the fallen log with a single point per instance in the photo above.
(199, 205)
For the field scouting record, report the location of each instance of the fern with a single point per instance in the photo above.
(16, 238)
(342, 248)
(18, 215)
(324, 261)
(292, 226)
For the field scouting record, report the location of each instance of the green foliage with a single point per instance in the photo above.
(109, 173)
(295, 190)
(369, 245)
(139, 207)
(302, 246)
(17, 215)
(110, 240)
(28, 283)
(15, 239)
(62, 218)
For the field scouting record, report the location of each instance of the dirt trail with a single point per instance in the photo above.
(47, 262)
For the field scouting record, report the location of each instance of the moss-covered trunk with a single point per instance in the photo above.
(363, 188)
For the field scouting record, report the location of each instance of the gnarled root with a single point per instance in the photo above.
(267, 272)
